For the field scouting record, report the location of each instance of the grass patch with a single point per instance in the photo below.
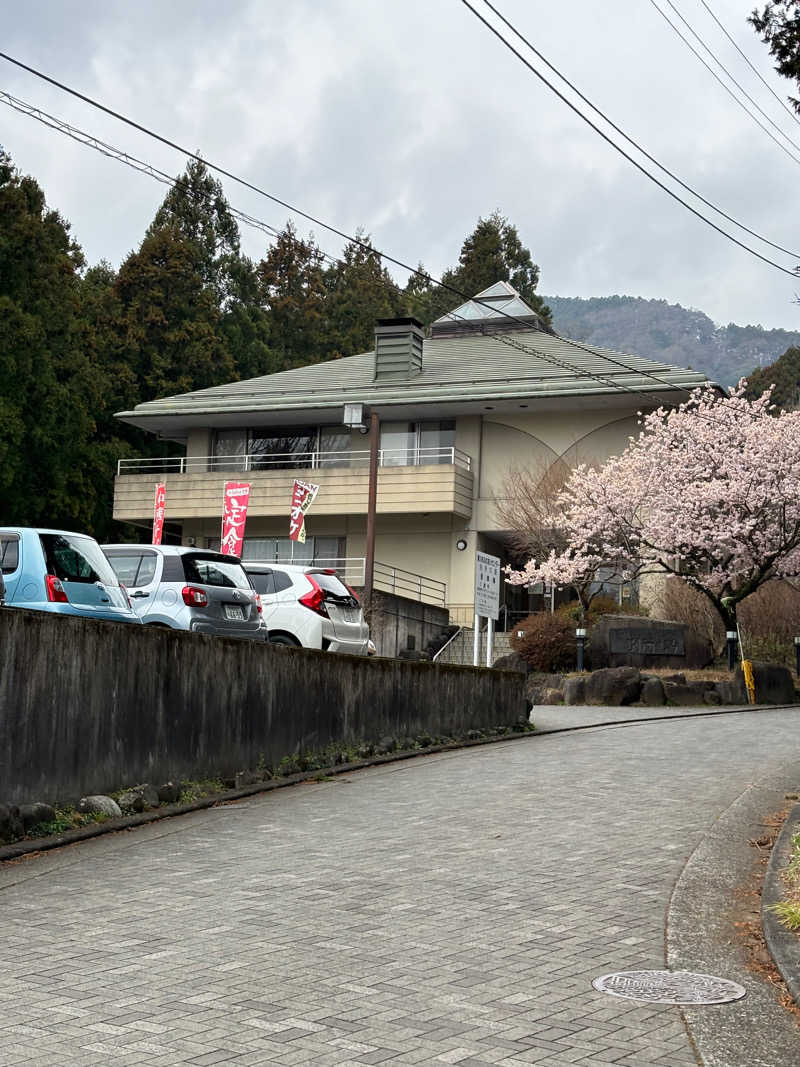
(788, 909)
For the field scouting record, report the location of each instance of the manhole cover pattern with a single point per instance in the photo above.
(669, 987)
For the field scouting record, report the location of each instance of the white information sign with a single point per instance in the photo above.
(487, 586)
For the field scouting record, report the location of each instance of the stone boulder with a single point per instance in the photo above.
(139, 798)
(511, 662)
(552, 696)
(575, 690)
(712, 697)
(688, 695)
(774, 684)
(732, 691)
(98, 804)
(11, 826)
(537, 684)
(244, 778)
(33, 814)
(613, 686)
(652, 693)
(169, 792)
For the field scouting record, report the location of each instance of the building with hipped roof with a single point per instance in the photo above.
(492, 389)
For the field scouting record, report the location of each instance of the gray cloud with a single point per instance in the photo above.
(406, 117)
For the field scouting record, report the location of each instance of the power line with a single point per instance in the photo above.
(631, 140)
(340, 233)
(622, 152)
(727, 88)
(141, 166)
(754, 69)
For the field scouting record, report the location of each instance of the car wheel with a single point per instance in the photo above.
(284, 639)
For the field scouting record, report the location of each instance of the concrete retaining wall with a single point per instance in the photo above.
(396, 618)
(88, 706)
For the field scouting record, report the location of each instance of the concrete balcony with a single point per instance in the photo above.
(409, 481)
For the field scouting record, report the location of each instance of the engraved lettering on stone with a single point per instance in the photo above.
(632, 642)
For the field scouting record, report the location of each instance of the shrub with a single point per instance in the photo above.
(547, 642)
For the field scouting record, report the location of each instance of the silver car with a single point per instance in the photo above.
(189, 589)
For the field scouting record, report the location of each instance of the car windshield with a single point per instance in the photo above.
(210, 570)
(76, 559)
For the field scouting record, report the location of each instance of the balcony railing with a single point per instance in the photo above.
(386, 579)
(258, 461)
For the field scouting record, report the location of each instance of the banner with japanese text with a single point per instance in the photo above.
(303, 495)
(159, 510)
(234, 516)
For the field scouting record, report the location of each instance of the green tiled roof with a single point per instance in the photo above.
(501, 359)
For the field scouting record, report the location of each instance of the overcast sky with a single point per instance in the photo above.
(408, 118)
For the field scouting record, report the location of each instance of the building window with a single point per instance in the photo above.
(407, 444)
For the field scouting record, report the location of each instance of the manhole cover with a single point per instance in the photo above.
(669, 987)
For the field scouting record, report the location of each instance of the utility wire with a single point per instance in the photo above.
(727, 88)
(340, 233)
(752, 67)
(141, 166)
(631, 140)
(665, 188)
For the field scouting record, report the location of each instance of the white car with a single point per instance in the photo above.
(309, 607)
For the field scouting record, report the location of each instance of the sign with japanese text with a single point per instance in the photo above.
(487, 586)
(159, 510)
(234, 516)
(303, 494)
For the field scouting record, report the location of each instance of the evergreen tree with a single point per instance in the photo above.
(778, 24)
(169, 320)
(293, 292)
(360, 291)
(48, 387)
(784, 375)
(196, 208)
(493, 252)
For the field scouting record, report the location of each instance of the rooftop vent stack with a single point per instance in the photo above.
(398, 349)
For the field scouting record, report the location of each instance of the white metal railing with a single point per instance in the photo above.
(256, 461)
(386, 579)
(350, 568)
(407, 584)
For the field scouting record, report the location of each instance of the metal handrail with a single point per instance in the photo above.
(254, 461)
(447, 644)
(388, 579)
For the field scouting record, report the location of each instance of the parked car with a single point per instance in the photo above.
(61, 572)
(309, 607)
(189, 589)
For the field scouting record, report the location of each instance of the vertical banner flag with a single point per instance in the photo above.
(159, 508)
(303, 495)
(234, 516)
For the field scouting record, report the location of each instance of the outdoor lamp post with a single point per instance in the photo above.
(797, 656)
(731, 639)
(580, 637)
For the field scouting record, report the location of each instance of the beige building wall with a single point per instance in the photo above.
(425, 541)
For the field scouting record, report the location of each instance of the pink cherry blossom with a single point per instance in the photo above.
(709, 491)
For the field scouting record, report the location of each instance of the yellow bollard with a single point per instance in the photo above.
(749, 681)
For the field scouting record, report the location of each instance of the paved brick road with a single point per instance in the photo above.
(449, 909)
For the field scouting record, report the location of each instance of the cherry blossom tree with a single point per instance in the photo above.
(709, 491)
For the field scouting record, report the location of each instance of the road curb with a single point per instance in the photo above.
(783, 944)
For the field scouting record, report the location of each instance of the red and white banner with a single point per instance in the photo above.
(159, 509)
(234, 516)
(303, 495)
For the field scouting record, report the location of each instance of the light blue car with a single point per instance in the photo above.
(62, 572)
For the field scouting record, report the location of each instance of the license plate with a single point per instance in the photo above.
(233, 612)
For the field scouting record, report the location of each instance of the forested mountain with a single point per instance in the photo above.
(669, 332)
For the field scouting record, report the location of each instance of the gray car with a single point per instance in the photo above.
(189, 589)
